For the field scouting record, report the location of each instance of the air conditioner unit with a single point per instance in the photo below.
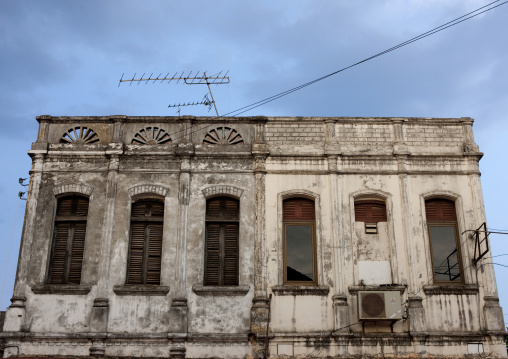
(379, 305)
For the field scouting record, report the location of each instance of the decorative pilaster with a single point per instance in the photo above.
(15, 315)
(178, 316)
(98, 348)
(99, 317)
(177, 349)
(341, 313)
(259, 309)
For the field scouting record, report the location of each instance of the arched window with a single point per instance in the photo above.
(299, 223)
(371, 212)
(222, 230)
(444, 241)
(68, 240)
(144, 263)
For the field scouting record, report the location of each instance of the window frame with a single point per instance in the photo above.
(72, 220)
(293, 222)
(372, 224)
(445, 223)
(222, 220)
(146, 220)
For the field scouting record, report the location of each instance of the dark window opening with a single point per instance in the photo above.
(299, 241)
(443, 232)
(222, 233)
(145, 252)
(371, 212)
(68, 240)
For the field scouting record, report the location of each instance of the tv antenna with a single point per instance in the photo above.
(204, 79)
(205, 101)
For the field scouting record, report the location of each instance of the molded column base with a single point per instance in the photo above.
(99, 319)
(341, 313)
(259, 316)
(15, 315)
(178, 316)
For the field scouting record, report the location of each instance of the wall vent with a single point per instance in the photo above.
(379, 305)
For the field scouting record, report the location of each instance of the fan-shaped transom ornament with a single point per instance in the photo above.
(223, 136)
(80, 134)
(151, 136)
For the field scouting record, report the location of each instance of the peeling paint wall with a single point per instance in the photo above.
(260, 161)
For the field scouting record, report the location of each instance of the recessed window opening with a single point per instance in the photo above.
(68, 240)
(144, 263)
(371, 212)
(299, 225)
(222, 233)
(444, 240)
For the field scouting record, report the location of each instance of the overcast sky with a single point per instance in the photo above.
(66, 57)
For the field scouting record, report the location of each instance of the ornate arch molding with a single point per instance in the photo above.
(222, 189)
(148, 188)
(442, 194)
(73, 188)
(382, 195)
(299, 193)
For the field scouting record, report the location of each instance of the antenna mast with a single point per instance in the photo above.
(216, 79)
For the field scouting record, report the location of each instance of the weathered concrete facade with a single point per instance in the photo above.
(260, 162)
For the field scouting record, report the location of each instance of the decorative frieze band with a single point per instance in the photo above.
(223, 189)
(73, 187)
(148, 188)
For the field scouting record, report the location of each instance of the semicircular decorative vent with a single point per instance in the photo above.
(151, 136)
(223, 136)
(80, 134)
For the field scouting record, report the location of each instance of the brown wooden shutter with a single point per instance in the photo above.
(370, 211)
(153, 271)
(212, 254)
(69, 240)
(231, 254)
(58, 261)
(295, 209)
(440, 209)
(144, 264)
(135, 265)
(78, 248)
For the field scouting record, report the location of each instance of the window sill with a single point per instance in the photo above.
(64, 289)
(454, 289)
(357, 288)
(156, 290)
(319, 290)
(239, 290)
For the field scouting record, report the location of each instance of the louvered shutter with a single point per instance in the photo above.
(144, 264)
(59, 253)
(370, 212)
(212, 269)
(135, 265)
(76, 257)
(440, 209)
(297, 209)
(69, 240)
(153, 271)
(231, 254)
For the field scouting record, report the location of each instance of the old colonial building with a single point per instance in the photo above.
(239, 237)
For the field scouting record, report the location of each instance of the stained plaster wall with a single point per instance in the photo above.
(332, 160)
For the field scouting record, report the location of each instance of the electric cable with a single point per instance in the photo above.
(435, 30)
(8, 254)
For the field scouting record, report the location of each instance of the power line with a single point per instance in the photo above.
(419, 37)
(451, 23)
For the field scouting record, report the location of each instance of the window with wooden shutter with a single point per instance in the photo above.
(145, 251)
(299, 225)
(69, 235)
(371, 212)
(444, 241)
(222, 232)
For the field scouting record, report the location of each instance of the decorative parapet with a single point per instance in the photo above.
(148, 188)
(222, 189)
(73, 188)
